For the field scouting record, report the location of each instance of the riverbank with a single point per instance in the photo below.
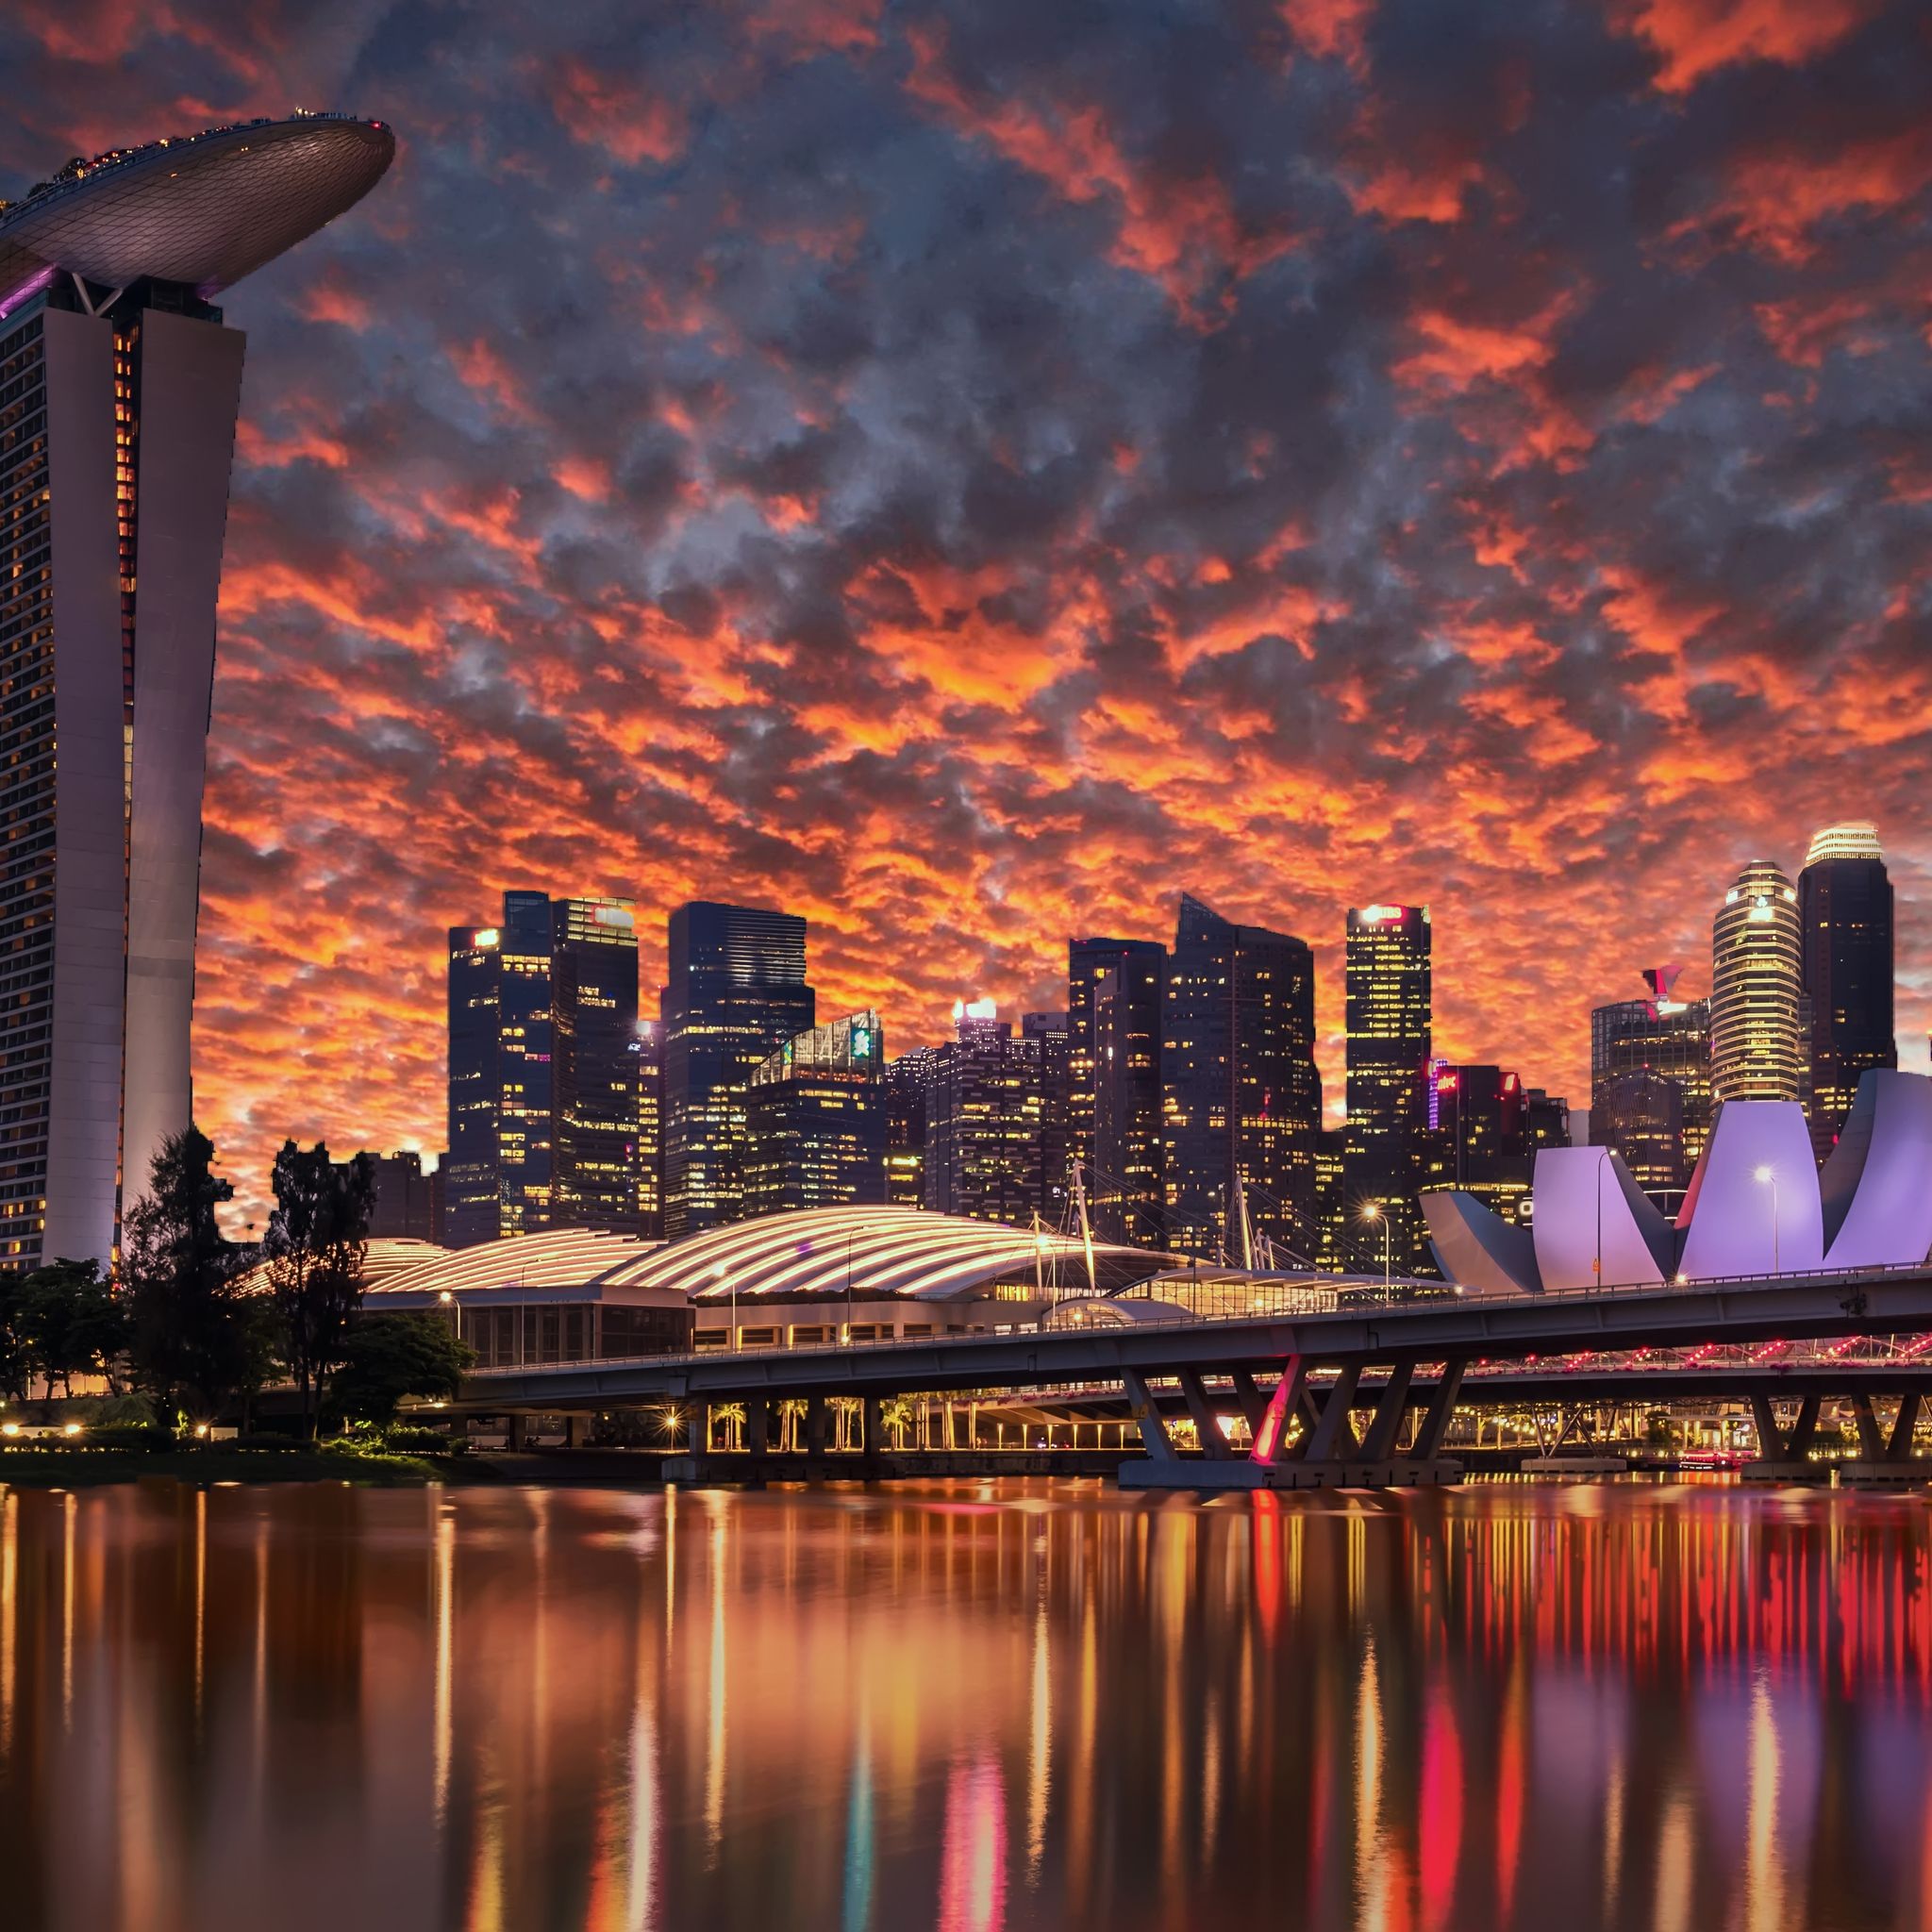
(80, 1469)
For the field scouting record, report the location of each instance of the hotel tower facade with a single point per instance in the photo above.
(119, 389)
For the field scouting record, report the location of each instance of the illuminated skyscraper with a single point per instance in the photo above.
(119, 389)
(986, 1122)
(1241, 1096)
(815, 1121)
(1755, 988)
(1649, 1085)
(1845, 915)
(1389, 1017)
(499, 1095)
(596, 1068)
(1477, 1137)
(737, 991)
(1115, 993)
(650, 1167)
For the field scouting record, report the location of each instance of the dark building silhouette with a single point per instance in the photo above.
(906, 1080)
(1845, 912)
(1390, 1013)
(737, 993)
(1116, 990)
(1650, 1097)
(815, 1121)
(1242, 1098)
(404, 1207)
(1477, 1135)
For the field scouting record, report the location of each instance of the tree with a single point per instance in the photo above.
(193, 1333)
(71, 1322)
(385, 1358)
(317, 1240)
(16, 1355)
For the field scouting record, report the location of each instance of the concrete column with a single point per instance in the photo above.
(1333, 1437)
(1770, 1442)
(1438, 1416)
(1899, 1448)
(1153, 1436)
(1253, 1404)
(513, 1435)
(1384, 1428)
(817, 1417)
(577, 1431)
(757, 1425)
(1271, 1429)
(872, 1430)
(1872, 1444)
(1804, 1434)
(1214, 1445)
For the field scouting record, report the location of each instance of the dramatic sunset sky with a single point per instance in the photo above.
(966, 471)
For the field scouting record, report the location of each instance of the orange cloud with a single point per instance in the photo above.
(1693, 38)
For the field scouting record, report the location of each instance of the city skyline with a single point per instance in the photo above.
(1483, 656)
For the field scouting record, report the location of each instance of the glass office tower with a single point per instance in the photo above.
(1844, 914)
(1756, 987)
(737, 993)
(1115, 993)
(815, 1121)
(1390, 1019)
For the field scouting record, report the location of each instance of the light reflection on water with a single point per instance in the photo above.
(963, 1708)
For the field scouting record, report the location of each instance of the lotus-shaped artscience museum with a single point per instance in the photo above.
(1757, 1206)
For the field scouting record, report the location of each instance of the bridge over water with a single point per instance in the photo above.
(1405, 1363)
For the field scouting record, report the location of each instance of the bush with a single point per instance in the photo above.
(147, 1438)
(408, 1438)
(267, 1438)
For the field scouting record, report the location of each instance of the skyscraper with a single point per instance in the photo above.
(1649, 1085)
(596, 1073)
(1477, 1137)
(985, 1115)
(1845, 915)
(1389, 1017)
(119, 391)
(815, 1121)
(906, 1080)
(403, 1207)
(650, 1164)
(1115, 993)
(1043, 1040)
(1756, 984)
(737, 991)
(500, 1094)
(1241, 1096)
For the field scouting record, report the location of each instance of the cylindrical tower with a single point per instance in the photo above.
(1755, 983)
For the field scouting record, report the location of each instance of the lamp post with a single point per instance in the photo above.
(1767, 1177)
(1373, 1212)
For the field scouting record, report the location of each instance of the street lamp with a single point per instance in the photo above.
(1767, 1177)
(1373, 1212)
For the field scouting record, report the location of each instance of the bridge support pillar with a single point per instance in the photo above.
(1785, 1458)
(1249, 1399)
(1899, 1448)
(1333, 1432)
(1214, 1445)
(577, 1431)
(1440, 1413)
(1146, 1412)
(1871, 1444)
(1385, 1426)
(817, 1415)
(1269, 1430)
(514, 1432)
(872, 1432)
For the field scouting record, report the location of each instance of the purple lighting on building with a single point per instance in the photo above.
(26, 291)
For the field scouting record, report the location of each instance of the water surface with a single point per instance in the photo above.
(964, 1707)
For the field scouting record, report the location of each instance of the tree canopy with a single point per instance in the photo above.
(316, 1241)
(385, 1357)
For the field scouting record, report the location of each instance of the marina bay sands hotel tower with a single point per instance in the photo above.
(119, 388)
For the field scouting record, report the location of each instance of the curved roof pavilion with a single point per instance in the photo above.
(199, 209)
(878, 1252)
